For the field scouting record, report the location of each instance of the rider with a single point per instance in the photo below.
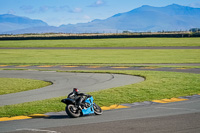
(78, 97)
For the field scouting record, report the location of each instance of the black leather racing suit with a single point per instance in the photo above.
(78, 97)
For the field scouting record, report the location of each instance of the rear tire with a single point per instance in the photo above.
(72, 111)
(97, 109)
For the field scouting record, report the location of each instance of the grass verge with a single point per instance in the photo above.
(13, 85)
(118, 42)
(158, 85)
(81, 57)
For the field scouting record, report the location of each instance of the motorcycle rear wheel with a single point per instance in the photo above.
(97, 109)
(72, 111)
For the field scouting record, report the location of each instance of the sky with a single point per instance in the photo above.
(58, 12)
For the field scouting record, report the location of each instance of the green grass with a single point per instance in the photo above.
(13, 85)
(119, 42)
(82, 57)
(158, 85)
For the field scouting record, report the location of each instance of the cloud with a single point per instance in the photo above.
(75, 10)
(98, 3)
(60, 8)
(11, 12)
(42, 9)
(86, 17)
(28, 9)
(196, 5)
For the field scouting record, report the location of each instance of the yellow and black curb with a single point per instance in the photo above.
(90, 66)
(46, 116)
(86, 67)
(23, 117)
(115, 106)
(170, 100)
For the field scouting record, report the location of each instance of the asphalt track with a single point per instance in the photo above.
(181, 117)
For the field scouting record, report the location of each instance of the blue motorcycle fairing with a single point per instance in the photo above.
(89, 110)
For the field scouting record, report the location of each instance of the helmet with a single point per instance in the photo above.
(75, 90)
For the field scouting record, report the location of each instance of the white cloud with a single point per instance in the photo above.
(98, 3)
(86, 17)
(60, 8)
(11, 12)
(77, 10)
(28, 9)
(196, 5)
(42, 9)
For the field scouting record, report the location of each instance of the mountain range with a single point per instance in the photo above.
(146, 18)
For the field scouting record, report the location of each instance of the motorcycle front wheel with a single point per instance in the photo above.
(97, 109)
(72, 111)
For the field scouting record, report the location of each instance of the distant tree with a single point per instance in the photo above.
(194, 30)
(126, 31)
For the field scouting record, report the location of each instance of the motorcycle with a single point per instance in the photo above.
(87, 107)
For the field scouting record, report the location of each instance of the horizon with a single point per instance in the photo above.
(55, 13)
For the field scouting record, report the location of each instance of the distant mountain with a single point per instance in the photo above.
(9, 22)
(146, 18)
